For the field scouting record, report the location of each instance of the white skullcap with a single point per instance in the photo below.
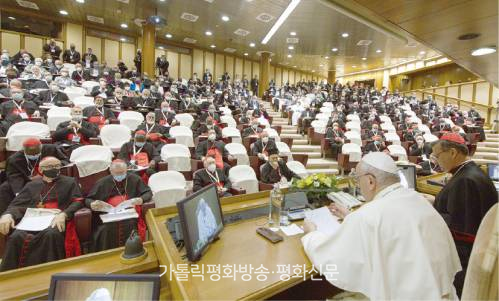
(381, 161)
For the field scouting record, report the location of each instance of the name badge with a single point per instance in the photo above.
(70, 57)
(52, 50)
(76, 139)
(23, 115)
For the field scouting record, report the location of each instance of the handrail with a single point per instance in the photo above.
(476, 104)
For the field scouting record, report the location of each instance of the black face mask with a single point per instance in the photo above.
(52, 173)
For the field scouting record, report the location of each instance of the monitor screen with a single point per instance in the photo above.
(407, 175)
(493, 172)
(201, 218)
(103, 287)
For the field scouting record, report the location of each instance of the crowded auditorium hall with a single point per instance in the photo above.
(249, 149)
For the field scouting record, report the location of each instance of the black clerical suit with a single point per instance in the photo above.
(203, 179)
(250, 131)
(75, 138)
(463, 203)
(270, 175)
(19, 171)
(71, 56)
(59, 98)
(203, 147)
(336, 144)
(259, 147)
(156, 134)
(416, 150)
(49, 244)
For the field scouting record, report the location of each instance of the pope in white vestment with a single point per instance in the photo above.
(395, 247)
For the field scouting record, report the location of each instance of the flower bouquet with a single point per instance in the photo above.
(316, 187)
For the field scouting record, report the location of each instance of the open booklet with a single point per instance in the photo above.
(37, 219)
(125, 210)
(325, 221)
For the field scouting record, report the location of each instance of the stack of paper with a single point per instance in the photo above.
(325, 221)
(37, 219)
(118, 213)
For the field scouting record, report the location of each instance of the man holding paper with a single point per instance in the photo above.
(395, 247)
(29, 244)
(111, 191)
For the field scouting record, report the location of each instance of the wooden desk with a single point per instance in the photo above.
(34, 281)
(424, 187)
(238, 244)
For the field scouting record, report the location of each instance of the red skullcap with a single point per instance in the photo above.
(141, 132)
(453, 137)
(30, 142)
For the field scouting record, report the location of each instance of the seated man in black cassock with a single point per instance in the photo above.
(262, 146)
(113, 189)
(253, 129)
(18, 106)
(211, 113)
(376, 145)
(139, 153)
(75, 132)
(23, 166)
(166, 115)
(211, 175)
(276, 170)
(155, 133)
(53, 96)
(203, 128)
(59, 240)
(337, 139)
(465, 199)
(374, 131)
(420, 148)
(98, 114)
(215, 148)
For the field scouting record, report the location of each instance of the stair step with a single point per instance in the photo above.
(488, 144)
(493, 136)
(300, 141)
(288, 131)
(306, 148)
(278, 122)
(294, 136)
(322, 164)
(329, 171)
(310, 155)
(484, 149)
(287, 126)
(486, 155)
(484, 161)
(488, 139)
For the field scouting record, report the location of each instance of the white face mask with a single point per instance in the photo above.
(211, 137)
(265, 139)
(212, 167)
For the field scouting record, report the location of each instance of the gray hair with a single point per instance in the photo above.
(118, 165)
(383, 178)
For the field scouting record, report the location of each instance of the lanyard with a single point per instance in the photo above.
(118, 190)
(135, 150)
(215, 178)
(31, 168)
(102, 113)
(149, 129)
(43, 198)
(19, 107)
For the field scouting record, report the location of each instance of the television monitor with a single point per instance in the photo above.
(89, 287)
(201, 219)
(407, 175)
(493, 171)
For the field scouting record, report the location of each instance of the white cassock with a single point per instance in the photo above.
(396, 247)
(207, 224)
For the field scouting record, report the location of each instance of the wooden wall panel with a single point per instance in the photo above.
(185, 66)
(128, 54)
(229, 65)
(453, 91)
(172, 58)
(272, 74)
(256, 71)
(285, 76)
(11, 42)
(239, 68)
(278, 76)
(74, 34)
(467, 92)
(112, 51)
(34, 46)
(291, 75)
(219, 65)
(209, 63)
(482, 93)
(246, 69)
(95, 44)
(197, 62)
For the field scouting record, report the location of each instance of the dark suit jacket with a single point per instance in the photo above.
(127, 150)
(249, 131)
(46, 96)
(88, 130)
(92, 111)
(202, 179)
(258, 146)
(414, 150)
(96, 91)
(270, 175)
(66, 57)
(202, 148)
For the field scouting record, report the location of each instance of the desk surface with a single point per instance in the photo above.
(424, 187)
(239, 244)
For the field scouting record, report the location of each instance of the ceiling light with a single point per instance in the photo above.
(313, 71)
(168, 36)
(345, 34)
(251, 44)
(334, 49)
(289, 56)
(161, 47)
(364, 58)
(213, 46)
(378, 51)
(280, 21)
(124, 25)
(208, 33)
(157, 20)
(291, 47)
(422, 52)
(63, 12)
(12, 18)
(321, 65)
(162, 0)
(354, 66)
(292, 33)
(326, 57)
(483, 51)
(294, 66)
(225, 18)
(123, 39)
(246, 54)
(80, 1)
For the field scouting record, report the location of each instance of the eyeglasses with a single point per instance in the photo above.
(57, 166)
(437, 156)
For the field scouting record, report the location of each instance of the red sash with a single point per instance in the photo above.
(463, 237)
(218, 157)
(163, 122)
(17, 111)
(141, 159)
(71, 241)
(83, 140)
(141, 225)
(97, 120)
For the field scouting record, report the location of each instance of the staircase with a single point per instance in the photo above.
(488, 150)
(315, 163)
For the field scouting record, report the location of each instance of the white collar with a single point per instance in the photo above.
(387, 190)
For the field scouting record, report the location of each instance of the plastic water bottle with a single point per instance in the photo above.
(352, 188)
(275, 204)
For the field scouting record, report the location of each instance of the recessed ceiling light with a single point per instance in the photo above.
(334, 49)
(12, 18)
(123, 39)
(354, 66)
(124, 25)
(63, 12)
(251, 44)
(208, 33)
(294, 66)
(313, 71)
(326, 57)
(378, 51)
(292, 33)
(290, 56)
(168, 36)
(162, 0)
(161, 47)
(285, 14)
(213, 46)
(246, 54)
(483, 51)
(364, 58)
(80, 1)
(225, 18)
(321, 65)
(345, 34)
(422, 52)
(291, 47)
